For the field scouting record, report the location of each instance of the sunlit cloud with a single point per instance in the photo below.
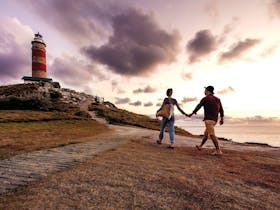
(226, 90)
(158, 104)
(15, 58)
(147, 89)
(116, 88)
(269, 51)
(238, 49)
(186, 76)
(114, 84)
(274, 8)
(228, 29)
(148, 104)
(136, 103)
(254, 119)
(69, 68)
(187, 100)
(122, 100)
(212, 10)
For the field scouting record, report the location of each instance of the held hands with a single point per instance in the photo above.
(188, 115)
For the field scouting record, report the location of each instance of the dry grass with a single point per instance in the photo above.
(21, 137)
(142, 175)
(32, 116)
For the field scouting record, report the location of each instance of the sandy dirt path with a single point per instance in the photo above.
(183, 141)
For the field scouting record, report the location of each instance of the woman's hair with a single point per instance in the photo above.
(169, 92)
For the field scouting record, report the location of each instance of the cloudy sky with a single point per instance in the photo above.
(130, 52)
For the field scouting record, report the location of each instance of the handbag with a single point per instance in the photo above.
(165, 111)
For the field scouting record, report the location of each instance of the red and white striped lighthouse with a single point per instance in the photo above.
(39, 67)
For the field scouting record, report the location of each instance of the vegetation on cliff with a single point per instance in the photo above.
(116, 116)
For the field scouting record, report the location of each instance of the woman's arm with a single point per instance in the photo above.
(178, 107)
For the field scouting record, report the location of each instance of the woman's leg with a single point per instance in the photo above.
(171, 129)
(162, 128)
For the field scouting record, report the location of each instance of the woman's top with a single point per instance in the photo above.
(172, 102)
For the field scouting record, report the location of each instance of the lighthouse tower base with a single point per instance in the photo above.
(35, 79)
(40, 80)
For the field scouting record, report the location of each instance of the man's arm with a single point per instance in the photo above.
(197, 108)
(221, 111)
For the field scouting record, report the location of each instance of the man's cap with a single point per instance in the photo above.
(210, 89)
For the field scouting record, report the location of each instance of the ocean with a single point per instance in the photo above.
(265, 133)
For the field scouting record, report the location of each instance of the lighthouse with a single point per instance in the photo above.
(39, 64)
(39, 67)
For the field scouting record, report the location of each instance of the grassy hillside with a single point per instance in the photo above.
(37, 123)
(113, 115)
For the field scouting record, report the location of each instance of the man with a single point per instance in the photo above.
(212, 107)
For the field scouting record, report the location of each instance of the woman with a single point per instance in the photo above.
(170, 120)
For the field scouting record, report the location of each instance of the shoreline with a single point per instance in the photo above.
(247, 135)
(246, 143)
(191, 141)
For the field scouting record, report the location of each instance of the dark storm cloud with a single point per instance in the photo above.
(79, 21)
(122, 100)
(201, 45)
(148, 104)
(75, 72)
(15, 61)
(226, 90)
(238, 49)
(136, 103)
(136, 46)
(147, 89)
(186, 100)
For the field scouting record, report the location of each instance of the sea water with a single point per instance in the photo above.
(253, 132)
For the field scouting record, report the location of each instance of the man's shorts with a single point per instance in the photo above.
(210, 124)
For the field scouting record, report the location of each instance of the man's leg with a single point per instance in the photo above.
(216, 143)
(210, 124)
(204, 139)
